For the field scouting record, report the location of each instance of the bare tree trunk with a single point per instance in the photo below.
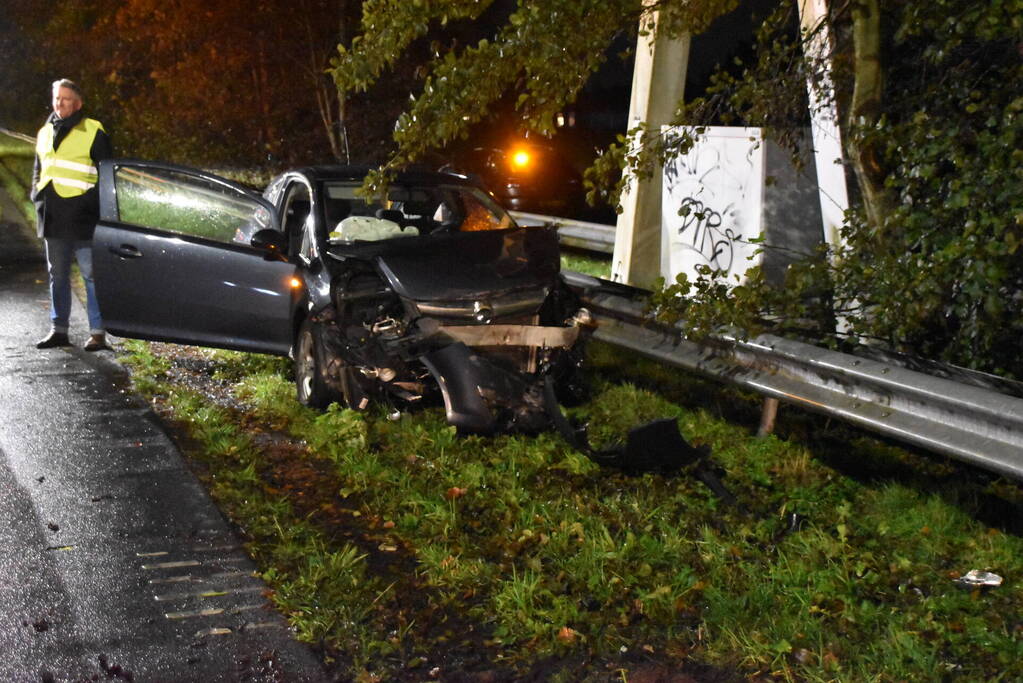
(326, 110)
(261, 91)
(342, 101)
(324, 89)
(865, 109)
(269, 130)
(342, 125)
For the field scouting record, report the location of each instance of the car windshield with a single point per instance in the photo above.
(408, 210)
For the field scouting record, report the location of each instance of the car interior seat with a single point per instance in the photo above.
(419, 214)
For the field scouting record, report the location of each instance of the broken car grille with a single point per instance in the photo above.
(485, 309)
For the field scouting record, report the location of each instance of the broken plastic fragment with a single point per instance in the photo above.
(656, 446)
(976, 578)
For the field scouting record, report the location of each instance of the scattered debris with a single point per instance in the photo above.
(975, 578)
(657, 446)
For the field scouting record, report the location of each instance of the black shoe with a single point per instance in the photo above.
(97, 342)
(52, 340)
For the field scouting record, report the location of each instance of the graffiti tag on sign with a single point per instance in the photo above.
(712, 204)
(701, 229)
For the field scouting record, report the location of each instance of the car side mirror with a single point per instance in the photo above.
(273, 242)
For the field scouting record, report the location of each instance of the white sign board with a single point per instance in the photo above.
(712, 203)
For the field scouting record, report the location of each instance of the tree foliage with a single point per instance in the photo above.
(929, 262)
(228, 83)
(540, 53)
(930, 259)
(951, 140)
(226, 75)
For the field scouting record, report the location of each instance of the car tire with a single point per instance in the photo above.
(310, 384)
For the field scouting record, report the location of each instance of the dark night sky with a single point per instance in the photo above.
(602, 108)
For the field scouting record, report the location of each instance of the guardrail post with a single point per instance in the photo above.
(768, 415)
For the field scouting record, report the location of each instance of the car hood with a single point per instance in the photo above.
(467, 265)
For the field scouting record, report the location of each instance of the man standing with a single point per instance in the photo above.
(68, 148)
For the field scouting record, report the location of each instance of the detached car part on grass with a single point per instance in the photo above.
(656, 446)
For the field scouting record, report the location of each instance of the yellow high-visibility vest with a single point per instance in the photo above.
(70, 169)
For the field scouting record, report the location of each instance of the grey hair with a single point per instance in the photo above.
(69, 84)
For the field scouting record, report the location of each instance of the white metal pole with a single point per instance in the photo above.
(658, 83)
(827, 138)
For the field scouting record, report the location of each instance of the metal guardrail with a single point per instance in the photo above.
(573, 233)
(970, 423)
(20, 136)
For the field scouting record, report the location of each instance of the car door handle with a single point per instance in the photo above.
(126, 251)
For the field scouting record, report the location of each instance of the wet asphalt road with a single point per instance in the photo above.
(113, 559)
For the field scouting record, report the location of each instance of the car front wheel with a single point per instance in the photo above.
(311, 386)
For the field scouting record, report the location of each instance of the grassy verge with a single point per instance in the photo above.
(16, 159)
(16, 172)
(401, 549)
(589, 264)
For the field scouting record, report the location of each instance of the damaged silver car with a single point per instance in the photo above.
(430, 293)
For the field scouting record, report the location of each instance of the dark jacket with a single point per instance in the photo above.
(68, 217)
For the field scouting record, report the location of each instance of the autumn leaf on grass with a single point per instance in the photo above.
(455, 492)
(567, 635)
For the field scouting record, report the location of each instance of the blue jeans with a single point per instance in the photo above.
(59, 253)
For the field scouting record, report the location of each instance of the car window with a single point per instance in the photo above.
(479, 214)
(273, 190)
(296, 218)
(187, 204)
(408, 210)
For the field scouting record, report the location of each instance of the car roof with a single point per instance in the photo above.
(357, 172)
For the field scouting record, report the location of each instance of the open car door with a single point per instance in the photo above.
(172, 260)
